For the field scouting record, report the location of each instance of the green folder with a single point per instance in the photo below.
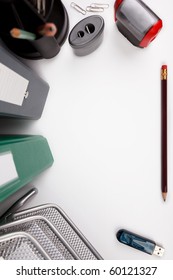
(22, 157)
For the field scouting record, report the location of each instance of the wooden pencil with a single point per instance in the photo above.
(164, 186)
(49, 29)
(22, 34)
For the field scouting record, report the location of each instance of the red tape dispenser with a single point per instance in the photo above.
(137, 22)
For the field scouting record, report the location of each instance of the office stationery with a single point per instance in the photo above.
(13, 205)
(99, 5)
(28, 16)
(53, 229)
(164, 183)
(22, 34)
(23, 94)
(94, 9)
(51, 241)
(43, 7)
(13, 87)
(78, 8)
(48, 29)
(28, 156)
(7, 163)
(136, 21)
(87, 35)
(140, 243)
(12, 199)
(21, 246)
(40, 5)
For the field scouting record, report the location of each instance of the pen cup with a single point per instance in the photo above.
(47, 47)
(24, 15)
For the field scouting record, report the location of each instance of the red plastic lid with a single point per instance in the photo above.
(151, 34)
(116, 6)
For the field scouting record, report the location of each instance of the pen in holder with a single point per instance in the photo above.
(29, 15)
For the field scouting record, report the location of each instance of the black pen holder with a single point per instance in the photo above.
(24, 15)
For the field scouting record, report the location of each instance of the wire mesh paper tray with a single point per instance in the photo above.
(48, 238)
(79, 245)
(54, 231)
(21, 246)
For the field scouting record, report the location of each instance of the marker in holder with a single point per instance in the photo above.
(25, 15)
(137, 22)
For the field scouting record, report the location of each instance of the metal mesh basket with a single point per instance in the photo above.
(66, 228)
(39, 228)
(21, 246)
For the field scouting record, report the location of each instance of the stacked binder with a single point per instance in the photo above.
(22, 93)
(22, 158)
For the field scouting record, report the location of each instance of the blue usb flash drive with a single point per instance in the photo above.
(140, 243)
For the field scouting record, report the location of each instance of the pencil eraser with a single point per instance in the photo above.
(164, 66)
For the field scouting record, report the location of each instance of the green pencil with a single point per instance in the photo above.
(22, 34)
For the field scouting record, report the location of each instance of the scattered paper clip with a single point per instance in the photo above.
(94, 7)
(78, 8)
(99, 5)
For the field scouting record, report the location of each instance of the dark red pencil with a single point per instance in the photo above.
(49, 29)
(164, 186)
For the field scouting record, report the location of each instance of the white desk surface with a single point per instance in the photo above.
(102, 121)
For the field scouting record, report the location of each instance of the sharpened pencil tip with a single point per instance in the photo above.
(164, 196)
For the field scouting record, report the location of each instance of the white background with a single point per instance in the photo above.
(102, 121)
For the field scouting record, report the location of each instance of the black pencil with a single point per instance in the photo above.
(164, 187)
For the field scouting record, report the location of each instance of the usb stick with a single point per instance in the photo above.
(140, 243)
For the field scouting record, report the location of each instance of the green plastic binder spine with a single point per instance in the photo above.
(30, 156)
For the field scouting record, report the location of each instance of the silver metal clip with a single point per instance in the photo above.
(78, 8)
(95, 10)
(99, 5)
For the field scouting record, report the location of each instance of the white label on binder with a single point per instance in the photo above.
(8, 170)
(12, 86)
